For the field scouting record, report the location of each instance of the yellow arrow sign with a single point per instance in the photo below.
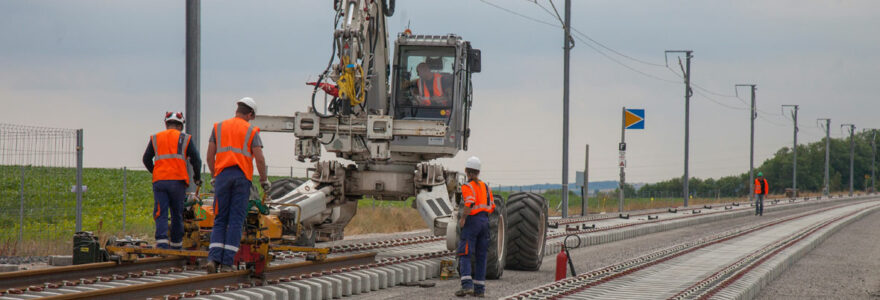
(634, 119)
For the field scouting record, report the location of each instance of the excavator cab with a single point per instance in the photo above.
(431, 80)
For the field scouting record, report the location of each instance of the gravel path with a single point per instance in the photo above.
(585, 259)
(845, 266)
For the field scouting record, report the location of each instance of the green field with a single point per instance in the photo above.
(50, 206)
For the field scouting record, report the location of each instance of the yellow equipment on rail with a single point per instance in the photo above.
(261, 235)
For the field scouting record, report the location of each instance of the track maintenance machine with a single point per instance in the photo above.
(261, 236)
(385, 121)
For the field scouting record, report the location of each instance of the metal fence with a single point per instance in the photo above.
(40, 176)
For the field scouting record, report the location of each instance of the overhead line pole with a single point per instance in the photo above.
(620, 195)
(193, 77)
(566, 46)
(794, 149)
(827, 155)
(873, 156)
(852, 147)
(752, 118)
(686, 71)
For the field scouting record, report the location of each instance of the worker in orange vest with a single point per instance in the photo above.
(761, 189)
(232, 148)
(431, 87)
(474, 242)
(166, 157)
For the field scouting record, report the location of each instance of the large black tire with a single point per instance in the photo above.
(526, 231)
(495, 258)
(283, 186)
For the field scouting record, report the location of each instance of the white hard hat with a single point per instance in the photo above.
(175, 116)
(249, 102)
(472, 163)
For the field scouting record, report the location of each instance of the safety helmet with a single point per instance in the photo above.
(760, 174)
(472, 163)
(174, 116)
(249, 102)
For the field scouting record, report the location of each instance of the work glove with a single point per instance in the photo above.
(198, 182)
(265, 185)
(212, 183)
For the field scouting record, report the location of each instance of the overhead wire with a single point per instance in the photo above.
(519, 14)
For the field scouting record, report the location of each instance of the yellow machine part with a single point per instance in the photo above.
(271, 223)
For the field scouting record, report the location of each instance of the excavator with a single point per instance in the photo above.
(386, 119)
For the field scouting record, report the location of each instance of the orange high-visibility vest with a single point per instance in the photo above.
(426, 93)
(170, 160)
(758, 187)
(233, 138)
(478, 197)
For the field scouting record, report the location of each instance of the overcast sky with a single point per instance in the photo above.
(114, 67)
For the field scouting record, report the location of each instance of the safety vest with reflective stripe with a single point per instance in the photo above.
(426, 93)
(234, 138)
(477, 196)
(759, 188)
(170, 160)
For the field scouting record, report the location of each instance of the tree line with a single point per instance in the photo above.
(778, 171)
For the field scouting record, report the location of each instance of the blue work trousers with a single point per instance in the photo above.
(474, 244)
(231, 192)
(169, 195)
(759, 204)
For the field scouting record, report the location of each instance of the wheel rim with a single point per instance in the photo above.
(500, 239)
(543, 233)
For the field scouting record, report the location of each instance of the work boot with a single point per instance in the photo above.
(464, 292)
(480, 295)
(226, 269)
(211, 267)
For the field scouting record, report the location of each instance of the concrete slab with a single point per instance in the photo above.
(60, 260)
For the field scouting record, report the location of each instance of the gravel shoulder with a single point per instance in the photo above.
(845, 266)
(585, 259)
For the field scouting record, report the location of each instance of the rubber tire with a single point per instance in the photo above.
(494, 263)
(283, 186)
(526, 231)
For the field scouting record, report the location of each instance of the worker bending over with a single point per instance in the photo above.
(474, 241)
(232, 148)
(166, 157)
(761, 189)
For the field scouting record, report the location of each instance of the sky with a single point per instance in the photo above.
(113, 68)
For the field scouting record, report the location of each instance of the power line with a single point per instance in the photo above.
(519, 14)
(625, 65)
(586, 36)
(698, 92)
(584, 39)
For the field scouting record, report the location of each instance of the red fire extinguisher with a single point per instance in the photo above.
(564, 258)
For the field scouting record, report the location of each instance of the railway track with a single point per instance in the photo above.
(79, 281)
(727, 265)
(406, 260)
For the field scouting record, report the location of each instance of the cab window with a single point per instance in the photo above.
(425, 84)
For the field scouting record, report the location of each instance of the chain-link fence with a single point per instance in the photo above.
(38, 188)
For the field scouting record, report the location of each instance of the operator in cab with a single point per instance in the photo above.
(431, 88)
(232, 149)
(166, 157)
(474, 242)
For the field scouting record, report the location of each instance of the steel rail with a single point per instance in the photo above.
(23, 279)
(209, 281)
(585, 281)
